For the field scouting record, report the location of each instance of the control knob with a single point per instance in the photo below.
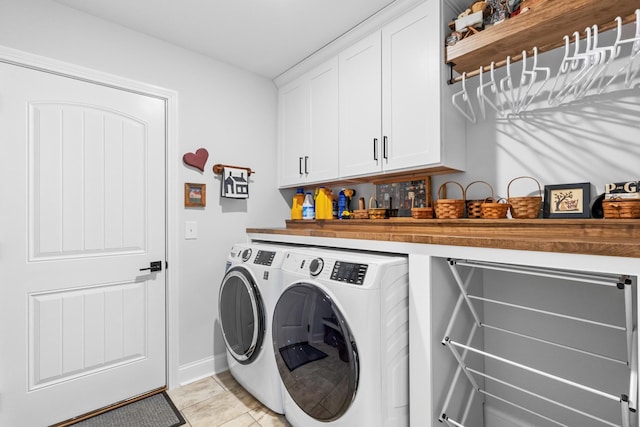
(245, 255)
(316, 266)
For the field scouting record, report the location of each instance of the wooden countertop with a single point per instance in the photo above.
(610, 237)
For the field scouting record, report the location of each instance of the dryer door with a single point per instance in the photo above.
(316, 354)
(241, 314)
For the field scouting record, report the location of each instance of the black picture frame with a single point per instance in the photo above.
(567, 200)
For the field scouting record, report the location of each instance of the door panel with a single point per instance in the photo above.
(82, 210)
(360, 107)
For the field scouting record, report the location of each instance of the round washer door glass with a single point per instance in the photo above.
(241, 315)
(316, 354)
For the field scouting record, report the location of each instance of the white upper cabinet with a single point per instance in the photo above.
(308, 127)
(394, 100)
(382, 106)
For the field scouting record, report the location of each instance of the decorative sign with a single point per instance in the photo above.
(197, 159)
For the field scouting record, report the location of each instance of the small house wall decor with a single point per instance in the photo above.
(234, 183)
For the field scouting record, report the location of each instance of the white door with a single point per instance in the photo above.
(82, 210)
(361, 107)
(410, 123)
(292, 138)
(323, 122)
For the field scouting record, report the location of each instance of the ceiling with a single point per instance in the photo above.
(263, 36)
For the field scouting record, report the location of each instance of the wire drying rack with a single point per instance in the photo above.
(461, 350)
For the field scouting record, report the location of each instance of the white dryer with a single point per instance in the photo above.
(341, 338)
(248, 294)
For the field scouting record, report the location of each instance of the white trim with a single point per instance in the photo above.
(203, 368)
(20, 58)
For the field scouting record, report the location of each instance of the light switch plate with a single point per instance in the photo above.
(190, 230)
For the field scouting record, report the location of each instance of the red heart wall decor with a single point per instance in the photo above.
(197, 160)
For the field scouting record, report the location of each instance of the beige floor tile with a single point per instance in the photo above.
(226, 380)
(244, 420)
(221, 408)
(267, 418)
(195, 392)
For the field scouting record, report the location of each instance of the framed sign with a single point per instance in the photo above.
(567, 200)
(195, 195)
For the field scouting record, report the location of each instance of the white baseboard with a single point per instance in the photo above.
(496, 418)
(203, 368)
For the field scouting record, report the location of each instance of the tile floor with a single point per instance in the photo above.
(220, 401)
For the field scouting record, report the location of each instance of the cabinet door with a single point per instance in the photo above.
(323, 123)
(293, 138)
(411, 96)
(360, 107)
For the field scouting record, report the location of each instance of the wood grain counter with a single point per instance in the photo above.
(610, 237)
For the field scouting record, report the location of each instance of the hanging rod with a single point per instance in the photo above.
(574, 384)
(539, 396)
(591, 277)
(555, 344)
(550, 313)
(219, 168)
(468, 371)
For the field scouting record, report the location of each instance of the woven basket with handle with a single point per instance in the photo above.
(420, 213)
(449, 208)
(525, 207)
(621, 209)
(376, 213)
(474, 206)
(495, 209)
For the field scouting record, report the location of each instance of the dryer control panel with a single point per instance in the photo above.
(264, 258)
(349, 272)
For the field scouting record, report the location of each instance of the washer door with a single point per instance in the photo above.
(241, 315)
(315, 352)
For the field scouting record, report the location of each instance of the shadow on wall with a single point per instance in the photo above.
(592, 140)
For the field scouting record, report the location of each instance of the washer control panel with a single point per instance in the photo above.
(264, 258)
(349, 272)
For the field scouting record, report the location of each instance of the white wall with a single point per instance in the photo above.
(230, 112)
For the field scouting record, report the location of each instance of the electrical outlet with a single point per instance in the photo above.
(190, 230)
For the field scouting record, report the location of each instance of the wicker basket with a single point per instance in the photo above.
(361, 214)
(495, 209)
(376, 213)
(420, 213)
(474, 206)
(621, 209)
(449, 208)
(525, 207)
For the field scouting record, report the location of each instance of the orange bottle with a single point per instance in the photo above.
(296, 206)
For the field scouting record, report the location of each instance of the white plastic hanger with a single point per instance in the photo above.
(471, 115)
(527, 97)
(630, 73)
(493, 87)
(566, 65)
(506, 87)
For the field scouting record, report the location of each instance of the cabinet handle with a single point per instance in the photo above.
(375, 149)
(300, 165)
(306, 164)
(385, 152)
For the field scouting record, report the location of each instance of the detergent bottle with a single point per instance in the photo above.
(323, 204)
(308, 208)
(296, 206)
(342, 203)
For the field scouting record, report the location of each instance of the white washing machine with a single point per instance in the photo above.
(341, 338)
(248, 294)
